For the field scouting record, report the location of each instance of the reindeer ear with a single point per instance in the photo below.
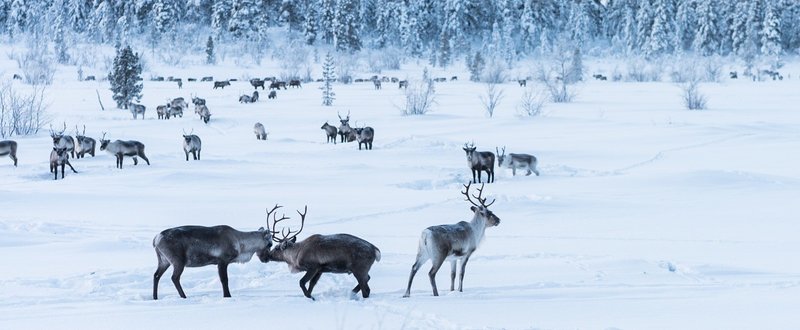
(473, 208)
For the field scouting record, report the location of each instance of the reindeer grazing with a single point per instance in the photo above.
(257, 83)
(295, 83)
(318, 254)
(198, 101)
(191, 144)
(83, 143)
(161, 111)
(205, 115)
(137, 109)
(198, 246)
(515, 161)
(221, 84)
(377, 83)
(9, 147)
(345, 131)
(121, 149)
(272, 95)
(364, 135)
(330, 132)
(402, 84)
(63, 141)
(248, 98)
(453, 242)
(174, 112)
(261, 132)
(522, 82)
(59, 157)
(480, 161)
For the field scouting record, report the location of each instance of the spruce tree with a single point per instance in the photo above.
(125, 77)
(329, 76)
(211, 56)
(475, 64)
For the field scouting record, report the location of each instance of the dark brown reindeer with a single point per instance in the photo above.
(58, 157)
(198, 246)
(121, 149)
(257, 83)
(318, 254)
(330, 132)
(364, 135)
(480, 161)
(9, 147)
(515, 161)
(453, 242)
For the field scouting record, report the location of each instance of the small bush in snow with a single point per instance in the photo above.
(21, 114)
(36, 64)
(532, 103)
(692, 98)
(495, 73)
(553, 78)
(713, 70)
(492, 98)
(419, 98)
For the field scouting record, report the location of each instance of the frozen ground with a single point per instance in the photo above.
(646, 215)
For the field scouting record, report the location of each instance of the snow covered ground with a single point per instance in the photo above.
(646, 215)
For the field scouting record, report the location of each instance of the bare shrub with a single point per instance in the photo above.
(552, 78)
(494, 73)
(21, 114)
(492, 98)
(37, 65)
(692, 98)
(713, 70)
(419, 98)
(641, 71)
(347, 66)
(532, 102)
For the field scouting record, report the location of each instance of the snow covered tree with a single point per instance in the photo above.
(538, 22)
(444, 50)
(327, 22)
(706, 41)
(662, 32)
(211, 56)
(310, 25)
(328, 77)
(125, 77)
(347, 26)
(476, 64)
(220, 16)
(164, 16)
(686, 24)
(771, 34)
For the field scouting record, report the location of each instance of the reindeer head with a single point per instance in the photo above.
(481, 209)
(263, 253)
(325, 125)
(345, 121)
(501, 155)
(104, 142)
(288, 237)
(60, 152)
(57, 136)
(188, 137)
(469, 149)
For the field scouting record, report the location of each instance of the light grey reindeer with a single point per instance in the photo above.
(330, 132)
(198, 246)
(318, 254)
(479, 161)
(83, 143)
(161, 111)
(248, 98)
(453, 242)
(364, 135)
(121, 149)
(205, 115)
(174, 112)
(345, 131)
(63, 141)
(191, 144)
(515, 161)
(137, 109)
(58, 157)
(9, 147)
(261, 132)
(198, 101)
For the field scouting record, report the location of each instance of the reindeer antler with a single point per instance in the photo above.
(286, 233)
(482, 201)
(104, 136)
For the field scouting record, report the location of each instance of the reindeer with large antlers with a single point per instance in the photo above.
(83, 144)
(453, 242)
(63, 141)
(346, 132)
(317, 254)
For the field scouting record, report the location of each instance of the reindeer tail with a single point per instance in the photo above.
(377, 254)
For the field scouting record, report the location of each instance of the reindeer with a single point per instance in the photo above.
(377, 83)
(480, 161)
(174, 112)
(9, 147)
(198, 101)
(162, 111)
(221, 84)
(402, 84)
(522, 82)
(137, 109)
(261, 133)
(179, 102)
(277, 85)
(191, 144)
(345, 131)
(318, 254)
(180, 83)
(121, 149)
(59, 157)
(453, 242)
(295, 83)
(330, 132)
(205, 115)
(83, 143)
(515, 161)
(257, 83)
(198, 246)
(248, 98)
(272, 95)
(63, 141)
(364, 135)
(208, 78)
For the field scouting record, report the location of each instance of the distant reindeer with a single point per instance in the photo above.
(221, 84)
(180, 83)
(515, 161)
(522, 82)
(179, 102)
(272, 95)
(453, 78)
(89, 78)
(733, 74)
(453, 242)
(209, 78)
(198, 101)
(191, 144)
(174, 112)
(277, 85)
(137, 109)
(318, 254)
(364, 135)
(480, 161)
(248, 98)
(261, 132)
(9, 147)
(205, 114)
(198, 246)
(402, 84)
(59, 157)
(161, 111)
(83, 143)
(330, 132)
(122, 149)
(295, 83)
(377, 83)
(345, 131)
(63, 141)
(257, 83)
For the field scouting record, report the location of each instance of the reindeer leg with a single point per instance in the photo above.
(135, 160)
(70, 166)
(362, 284)
(62, 171)
(223, 277)
(176, 279)
(314, 281)
(309, 275)
(163, 264)
(141, 154)
(187, 155)
(461, 276)
(453, 274)
(437, 263)
(421, 259)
